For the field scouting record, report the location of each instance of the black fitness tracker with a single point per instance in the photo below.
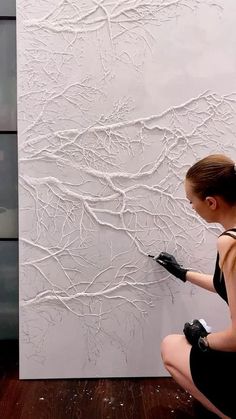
(203, 344)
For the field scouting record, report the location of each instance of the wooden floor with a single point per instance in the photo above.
(132, 398)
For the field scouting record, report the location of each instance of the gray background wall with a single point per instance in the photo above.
(115, 102)
(8, 174)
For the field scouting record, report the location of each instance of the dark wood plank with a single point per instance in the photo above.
(130, 398)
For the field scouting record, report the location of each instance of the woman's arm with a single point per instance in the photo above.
(226, 340)
(202, 280)
(168, 261)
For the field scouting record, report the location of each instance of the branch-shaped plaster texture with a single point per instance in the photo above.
(100, 180)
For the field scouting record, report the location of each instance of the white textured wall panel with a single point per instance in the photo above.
(115, 100)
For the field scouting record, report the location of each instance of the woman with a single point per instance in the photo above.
(205, 367)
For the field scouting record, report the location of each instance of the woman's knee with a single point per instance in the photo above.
(171, 346)
(168, 346)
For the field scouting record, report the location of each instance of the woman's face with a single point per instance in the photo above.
(201, 206)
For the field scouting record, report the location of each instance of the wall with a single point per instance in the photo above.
(115, 101)
(8, 173)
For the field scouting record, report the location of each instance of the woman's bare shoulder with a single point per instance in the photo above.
(226, 246)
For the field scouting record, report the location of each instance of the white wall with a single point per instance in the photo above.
(115, 101)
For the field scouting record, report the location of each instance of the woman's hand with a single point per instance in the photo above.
(171, 265)
(194, 330)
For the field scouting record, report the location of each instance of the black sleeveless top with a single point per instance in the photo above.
(218, 278)
(211, 370)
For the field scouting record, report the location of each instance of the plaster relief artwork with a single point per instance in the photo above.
(115, 101)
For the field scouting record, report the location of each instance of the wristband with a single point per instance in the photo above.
(203, 344)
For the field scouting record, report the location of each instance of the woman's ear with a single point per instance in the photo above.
(211, 202)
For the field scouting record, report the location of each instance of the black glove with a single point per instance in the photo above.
(171, 265)
(193, 331)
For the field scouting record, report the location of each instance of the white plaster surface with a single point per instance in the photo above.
(116, 99)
